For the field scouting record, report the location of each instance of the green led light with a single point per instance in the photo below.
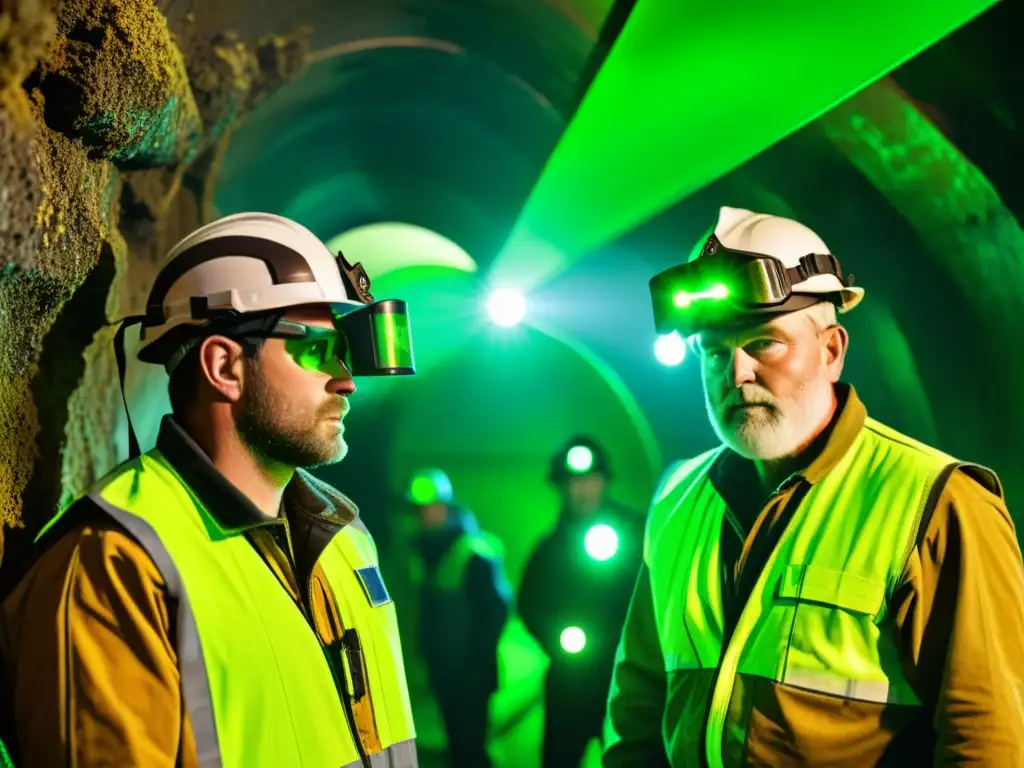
(572, 640)
(601, 542)
(683, 299)
(422, 491)
(579, 459)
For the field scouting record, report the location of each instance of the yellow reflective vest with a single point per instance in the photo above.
(816, 618)
(259, 688)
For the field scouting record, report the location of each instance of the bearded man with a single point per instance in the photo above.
(210, 603)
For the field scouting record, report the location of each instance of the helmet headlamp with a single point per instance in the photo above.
(722, 284)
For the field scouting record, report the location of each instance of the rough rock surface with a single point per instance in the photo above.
(101, 45)
(114, 115)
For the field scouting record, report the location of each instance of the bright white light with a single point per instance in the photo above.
(572, 640)
(506, 307)
(579, 459)
(670, 349)
(601, 542)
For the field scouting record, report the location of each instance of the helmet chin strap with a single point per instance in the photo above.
(179, 354)
(119, 356)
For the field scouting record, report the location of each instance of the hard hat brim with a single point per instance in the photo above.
(851, 296)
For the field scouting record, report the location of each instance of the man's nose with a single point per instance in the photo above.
(342, 385)
(741, 368)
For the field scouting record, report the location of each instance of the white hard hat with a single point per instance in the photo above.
(788, 241)
(429, 485)
(247, 262)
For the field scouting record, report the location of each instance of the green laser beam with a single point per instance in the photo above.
(691, 90)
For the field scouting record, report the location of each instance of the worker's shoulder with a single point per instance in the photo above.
(83, 544)
(678, 471)
(968, 517)
(971, 479)
(483, 545)
(972, 494)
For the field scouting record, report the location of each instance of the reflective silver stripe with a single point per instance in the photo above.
(195, 686)
(400, 755)
(823, 682)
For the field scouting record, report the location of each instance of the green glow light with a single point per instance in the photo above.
(579, 459)
(572, 640)
(683, 299)
(507, 307)
(422, 491)
(601, 542)
(386, 246)
(692, 90)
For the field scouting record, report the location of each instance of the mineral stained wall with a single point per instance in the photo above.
(114, 115)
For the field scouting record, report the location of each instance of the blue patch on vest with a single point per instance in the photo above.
(373, 585)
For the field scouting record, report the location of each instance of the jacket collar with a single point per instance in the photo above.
(731, 472)
(838, 437)
(305, 497)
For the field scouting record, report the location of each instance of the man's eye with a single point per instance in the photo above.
(763, 345)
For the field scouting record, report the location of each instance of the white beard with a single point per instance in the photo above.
(767, 434)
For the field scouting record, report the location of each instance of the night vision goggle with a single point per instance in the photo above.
(369, 340)
(372, 338)
(722, 284)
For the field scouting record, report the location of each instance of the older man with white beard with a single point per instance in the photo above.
(819, 589)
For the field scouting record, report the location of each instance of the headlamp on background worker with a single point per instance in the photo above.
(750, 264)
(579, 456)
(429, 485)
(238, 276)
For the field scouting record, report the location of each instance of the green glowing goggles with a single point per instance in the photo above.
(721, 284)
(371, 340)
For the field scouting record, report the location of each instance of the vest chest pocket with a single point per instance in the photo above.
(835, 646)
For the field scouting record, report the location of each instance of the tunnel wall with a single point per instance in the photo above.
(114, 117)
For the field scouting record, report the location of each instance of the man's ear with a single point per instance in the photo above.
(835, 342)
(222, 368)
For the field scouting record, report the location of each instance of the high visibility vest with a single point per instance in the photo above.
(817, 617)
(451, 569)
(259, 688)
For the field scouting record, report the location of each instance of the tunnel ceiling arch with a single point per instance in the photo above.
(438, 114)
(388, 246)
